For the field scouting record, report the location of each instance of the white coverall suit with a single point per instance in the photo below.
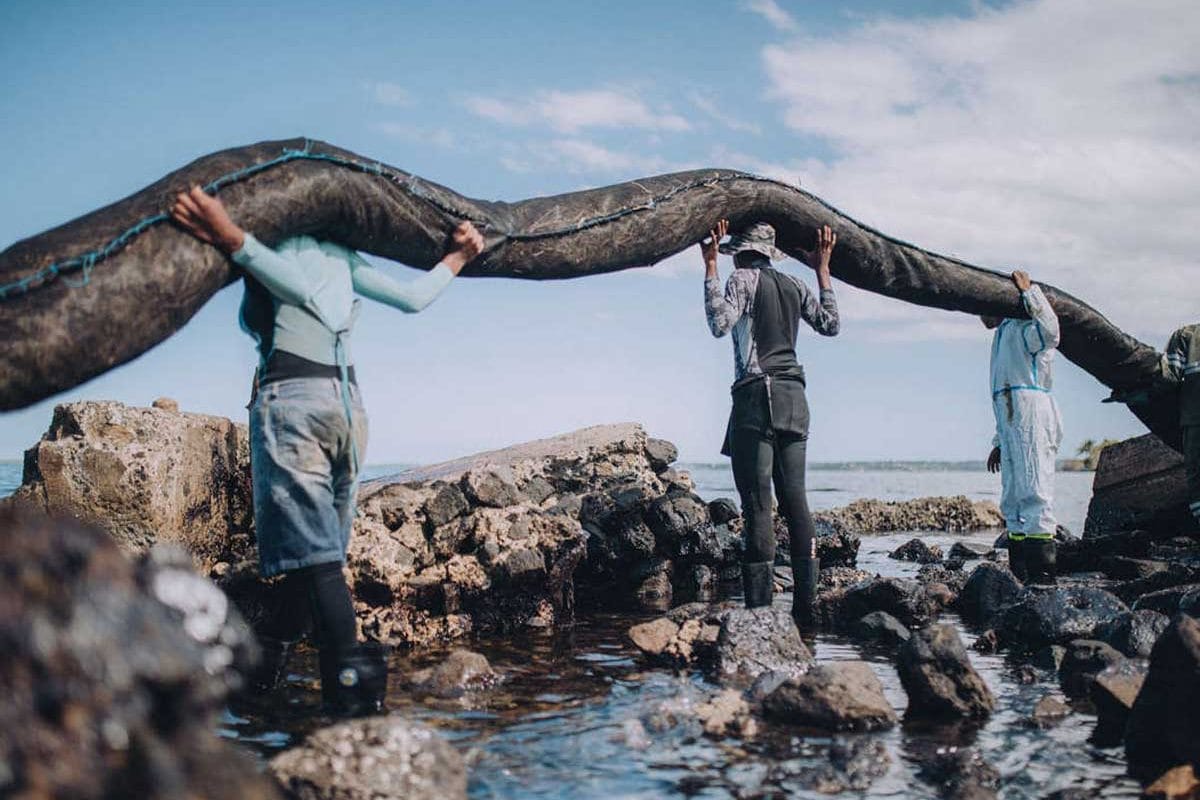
(1028, 424)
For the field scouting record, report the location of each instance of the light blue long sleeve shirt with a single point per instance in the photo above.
(313, 283)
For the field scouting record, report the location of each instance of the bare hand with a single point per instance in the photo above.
(709, 248)
(993, 460)
(205, 217)
(1021, 279)
(466, 244)
(818, 257)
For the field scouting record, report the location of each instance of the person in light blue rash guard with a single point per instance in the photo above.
(1028, 431)
(308, 433)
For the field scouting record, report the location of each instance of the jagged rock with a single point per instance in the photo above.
(880, 626)
(953, 579)
(1057, 615)
(1164, 724)
(840, 577)
(1084, 659)
(986, 642)
(1049, 710)
(722, 510)
(922, 514)
(113, 673)
(146, 475)
(854, 764)
(938, 676)
(686, 635)
(1173, 575)
(727, 713)
(463, 671)
(1085, 555)
(381, 758)
(1049, 658)
(969, 551)
(906, 600)
(1179, 783)
(1133, 633)
(758, 640)
(960, 773)
(1113, 692)
(1139, 483)
(448, 503)
(653, 637)
(166, 404)
(660, 453)
(1166, 601)
(493, 486)
(654, 591)
(1123, 568)
(838, 549)
(839, 696)
(916, 550)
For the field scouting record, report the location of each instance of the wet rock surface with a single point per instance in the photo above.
(1113, 692)
(462, 672)
(1057, 615)
(1083, 660)
(939, 678)
(916, 550)
(988, 589)
(961, 773)
(882, 627)
(381, 758)
(840, 696)
(1164, 723)
(1133, 633)
(114, 673)
(906, 600)
(756, 641)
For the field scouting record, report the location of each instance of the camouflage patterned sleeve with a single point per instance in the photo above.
(724, 310)
(822, 315)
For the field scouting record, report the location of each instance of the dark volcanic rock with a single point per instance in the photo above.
(722, 510)
(968, 551)
(1164, 724)
(758, 640)
(491, 486)
(381, 758)
(1084, 659)
(1057, 615)
(660, 453)
(921, 514)
(989, 588)
(854, 764)
(1166, 601)
(916, 550)
(960, 773)
(838, 549)
(1134, 633)
(880, 626)
(114, 674)
(463, 671)
(953, 579)
(905, 600)
(939, 678)
(1113, 693)
(446, 504)
(838, 696)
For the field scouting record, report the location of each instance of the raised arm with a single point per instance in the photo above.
(1044, 334)
(722, 310)
(412, 296)
(821, 316)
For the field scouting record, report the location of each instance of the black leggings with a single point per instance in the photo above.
(314, 597)
(757, 458)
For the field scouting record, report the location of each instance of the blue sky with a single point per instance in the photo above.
(998, 132)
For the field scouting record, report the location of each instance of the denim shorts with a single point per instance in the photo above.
(303, 472)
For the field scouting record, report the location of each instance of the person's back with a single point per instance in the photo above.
(1181, 364)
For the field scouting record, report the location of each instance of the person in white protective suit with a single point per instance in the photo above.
(1028, 431)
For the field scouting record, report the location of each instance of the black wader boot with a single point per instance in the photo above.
(354, 682)
(758, 583)
(1041, 561)
(806, 573)
(1016, 559)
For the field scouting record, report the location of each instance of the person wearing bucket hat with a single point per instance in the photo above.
(767, 434)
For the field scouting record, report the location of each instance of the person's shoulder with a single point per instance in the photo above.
(742, 277)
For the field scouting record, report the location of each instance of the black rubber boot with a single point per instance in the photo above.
(354, 683)
(1016, 559)
(806, 573)
(1041, 561)
(758, 583)
(272, 667)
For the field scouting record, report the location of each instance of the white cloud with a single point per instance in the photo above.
(713, 109)
(1059, 135)
(389, 94)
(571, 112)
(772, 13)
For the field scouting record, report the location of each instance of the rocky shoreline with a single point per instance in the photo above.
(530, 537)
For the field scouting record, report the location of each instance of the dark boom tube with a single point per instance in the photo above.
(96, 292)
